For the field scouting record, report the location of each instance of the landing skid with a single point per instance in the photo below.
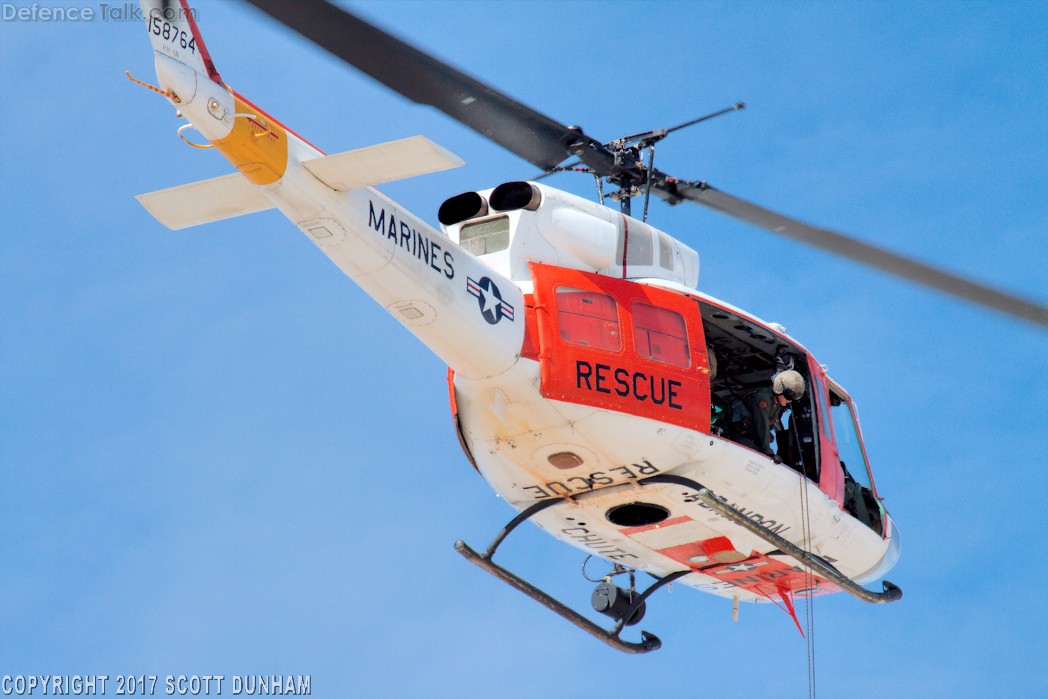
(648, 643)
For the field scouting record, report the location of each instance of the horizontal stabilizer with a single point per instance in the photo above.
(204, 201)
(386, 162)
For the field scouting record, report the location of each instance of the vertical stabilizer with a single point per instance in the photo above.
(173, 32)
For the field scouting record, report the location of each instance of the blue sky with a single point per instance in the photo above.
(220, 457)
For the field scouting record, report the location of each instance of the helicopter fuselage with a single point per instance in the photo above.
(591, 410)
(581, 354)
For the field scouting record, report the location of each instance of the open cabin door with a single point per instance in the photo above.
(619, 345)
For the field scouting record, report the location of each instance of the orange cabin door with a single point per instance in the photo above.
(623, 346)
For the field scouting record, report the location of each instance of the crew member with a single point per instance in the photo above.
(768, 405)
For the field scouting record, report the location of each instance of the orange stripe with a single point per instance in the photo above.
(212, 72)
(630, 531)
(684, 552)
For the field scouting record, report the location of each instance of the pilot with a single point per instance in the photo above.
(769, 405)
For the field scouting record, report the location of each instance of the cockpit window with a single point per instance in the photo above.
(849, 448)
(485, 237)
(859, 499)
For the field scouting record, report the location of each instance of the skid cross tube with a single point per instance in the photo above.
(648, 643)
(890, 593)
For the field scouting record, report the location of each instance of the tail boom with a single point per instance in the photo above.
(444, 295)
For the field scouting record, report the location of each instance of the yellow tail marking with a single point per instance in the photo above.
(257, 145)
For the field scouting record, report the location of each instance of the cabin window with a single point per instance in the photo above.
(588, 318)
(665, 252)
(485, 237)
(639, 247)
(660, 334)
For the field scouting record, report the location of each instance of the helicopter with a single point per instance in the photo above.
(591, 384)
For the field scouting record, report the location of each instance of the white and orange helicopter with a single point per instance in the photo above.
(592, 385)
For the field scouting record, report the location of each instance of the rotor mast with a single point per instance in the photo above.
(630, 173)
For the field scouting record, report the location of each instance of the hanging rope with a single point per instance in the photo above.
(809, 580)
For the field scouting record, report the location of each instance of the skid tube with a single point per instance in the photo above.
(890, 593)
(649, 641)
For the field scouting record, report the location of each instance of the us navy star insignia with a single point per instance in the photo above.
(489, 298)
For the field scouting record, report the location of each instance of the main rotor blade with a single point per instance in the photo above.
(856, 250)
(422, 78)
(545, 143)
